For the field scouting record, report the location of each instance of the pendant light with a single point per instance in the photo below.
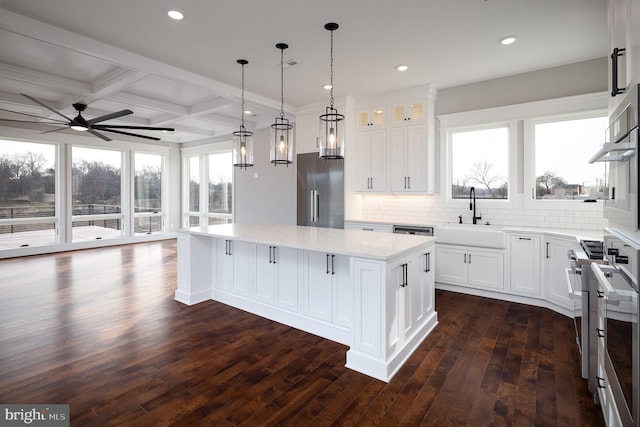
(281, 131)
(331, 122)
(242, 139)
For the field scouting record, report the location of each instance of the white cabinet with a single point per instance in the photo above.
(370, 117)
(235, 266)
(277, 276)
(525, 264)
(408, 112)
(555, 261)
(409, 297)
(407, 152)
(371, 165)
(307, 132)
(473, 267)
(327, 289)
(624, 39)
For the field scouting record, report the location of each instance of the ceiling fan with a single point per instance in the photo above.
(92, 126)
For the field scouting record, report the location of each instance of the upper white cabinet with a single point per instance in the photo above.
(624, 43)
(402, 124)
(408, 112)
(407, 154)
(307, 130)
(371, 117)
(371, 167)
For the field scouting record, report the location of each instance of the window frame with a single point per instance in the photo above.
(529, 178)
(446, 162)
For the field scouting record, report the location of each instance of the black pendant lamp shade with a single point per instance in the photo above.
(331, 122)
(281, 148)
(242, 139)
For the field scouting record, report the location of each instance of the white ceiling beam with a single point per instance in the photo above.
(42, 79)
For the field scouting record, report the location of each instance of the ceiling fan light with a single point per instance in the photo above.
(79, 128)
(175, 14)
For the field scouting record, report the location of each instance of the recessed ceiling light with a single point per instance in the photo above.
(247, 112)
(327, 86)
(174, 14)
(507, 40)
(402, 67)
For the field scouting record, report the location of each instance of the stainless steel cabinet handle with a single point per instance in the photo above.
(327, 263)
(229, 247)
(427, 262)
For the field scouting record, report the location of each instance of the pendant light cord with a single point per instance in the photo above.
(242, 112)
(281, 83)
(331, 99)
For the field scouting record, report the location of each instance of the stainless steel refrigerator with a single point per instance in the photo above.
(320, 191)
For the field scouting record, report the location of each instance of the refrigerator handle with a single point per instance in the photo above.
(312, 213)
(317, 206)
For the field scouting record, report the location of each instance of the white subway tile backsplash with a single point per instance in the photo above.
(416, 209)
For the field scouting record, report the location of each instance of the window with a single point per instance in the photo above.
(220, 188)
(96, 194)
(148, 193)
(27, 194)
(211, 202)
(562, 148)
(193, 191)
(479, 158)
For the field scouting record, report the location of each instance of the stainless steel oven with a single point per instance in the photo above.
(618, 327)
(620, 155)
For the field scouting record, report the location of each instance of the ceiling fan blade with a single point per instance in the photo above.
(109, 116)
(55, 130)
(103, 127)
(36, 116)
(131, 134)
(99, 135)
(45, 106)
(33, 121)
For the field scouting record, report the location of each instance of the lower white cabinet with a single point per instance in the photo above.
(467, 266)
(327, 292)
(409, 297)
(525, 264)
(277, 276)
(555, 261)
(235, 266)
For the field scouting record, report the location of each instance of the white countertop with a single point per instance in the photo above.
(559, 232)
(382, 246)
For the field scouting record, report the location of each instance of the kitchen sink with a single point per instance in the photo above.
(486, 236)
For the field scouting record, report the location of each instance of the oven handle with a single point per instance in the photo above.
(573, 294)
(613, 298)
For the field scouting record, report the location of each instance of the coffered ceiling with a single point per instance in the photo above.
(121, 54)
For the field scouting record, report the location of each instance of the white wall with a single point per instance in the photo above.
(265, 193)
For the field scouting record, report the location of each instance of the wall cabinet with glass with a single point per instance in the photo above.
(371, 117)
(408, 112)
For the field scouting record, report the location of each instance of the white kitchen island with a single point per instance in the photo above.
(371, 291)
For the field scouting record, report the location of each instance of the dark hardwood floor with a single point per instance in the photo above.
(99, 330)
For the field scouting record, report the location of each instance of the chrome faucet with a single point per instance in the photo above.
(472, 205)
